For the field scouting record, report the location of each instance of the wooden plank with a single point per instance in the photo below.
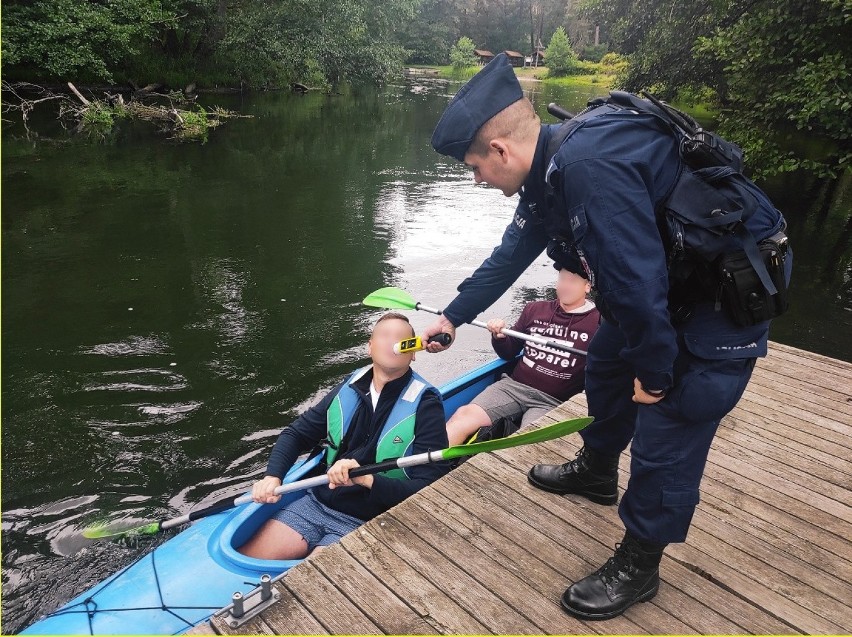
(811, 359)
(834, 515)
(550, 560)
(814, 575)
(288, 616)
(777, 411)
(766, 594)
(768, 588)
(795, 371)
(325, 601)
(381, 605)
(804, 389)
(815, 424)
(760, 557)
(429, 601)
(524, 550)
(455, 582)
(817, 478)
(583, 516)
(801, 409)
(515, 535)
(502, 578)
(798, 442)
(830, 514)
(740, 494)
(785, 533)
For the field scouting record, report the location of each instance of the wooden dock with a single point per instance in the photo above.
(481, 551)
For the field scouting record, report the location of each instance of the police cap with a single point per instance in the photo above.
(487, 93)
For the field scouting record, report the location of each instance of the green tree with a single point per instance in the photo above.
(429, 35)
(772, 66)
(559, 56)
(787, 65)
(72, 39)
(462, 55)
(257, 43)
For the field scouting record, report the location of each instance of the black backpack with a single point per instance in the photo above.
(704, 221)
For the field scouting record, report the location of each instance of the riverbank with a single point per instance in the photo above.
(597, 76)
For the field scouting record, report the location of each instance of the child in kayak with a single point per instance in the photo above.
(544, 377)
(380, 412)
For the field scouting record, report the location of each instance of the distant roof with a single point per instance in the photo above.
(483, 52)
(513, 54)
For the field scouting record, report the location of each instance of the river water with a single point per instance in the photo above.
(168, 308)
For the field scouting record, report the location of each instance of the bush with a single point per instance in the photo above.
(613, 63)
(462, 55)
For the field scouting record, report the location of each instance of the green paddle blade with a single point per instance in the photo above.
(391, 299)
(556, 430)
(99, 531)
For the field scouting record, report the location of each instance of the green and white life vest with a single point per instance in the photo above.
(397, 436)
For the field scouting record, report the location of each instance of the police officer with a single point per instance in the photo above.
(663, 384)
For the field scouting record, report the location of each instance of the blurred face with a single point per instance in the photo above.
(499, 167)
(380, 346)
(571, 289)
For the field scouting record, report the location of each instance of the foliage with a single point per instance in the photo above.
(559, 56)
(261, 43)
(773, 67)
(75, 39)
(784, 71)
(429, 36)
(462, 54)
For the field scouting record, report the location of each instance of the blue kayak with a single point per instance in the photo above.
(194, 574)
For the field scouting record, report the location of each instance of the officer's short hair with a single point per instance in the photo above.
(513, 122)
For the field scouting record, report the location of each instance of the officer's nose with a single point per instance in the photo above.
(477, 178)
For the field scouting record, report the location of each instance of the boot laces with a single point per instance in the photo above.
(623, 561)
(581, 459)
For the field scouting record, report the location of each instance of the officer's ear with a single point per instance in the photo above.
(502, 149)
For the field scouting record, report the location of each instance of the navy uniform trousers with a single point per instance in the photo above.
(670, 439)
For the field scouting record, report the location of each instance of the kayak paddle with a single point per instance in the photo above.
(549, 432)
(397, 299)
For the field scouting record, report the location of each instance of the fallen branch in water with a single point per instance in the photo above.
(180, 115)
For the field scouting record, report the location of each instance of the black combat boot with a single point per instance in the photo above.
(590, 474)
(631, 575)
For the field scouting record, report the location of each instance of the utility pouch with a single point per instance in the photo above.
(744, 297)
(703, 149)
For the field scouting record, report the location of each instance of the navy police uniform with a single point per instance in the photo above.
(612, 173)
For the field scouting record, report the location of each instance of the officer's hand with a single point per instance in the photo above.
(495, 325)
(643, 397)
(338, 475)
(441, 325)
(262, 491)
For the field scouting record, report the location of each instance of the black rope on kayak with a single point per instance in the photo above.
(168, 609)
(90, 606)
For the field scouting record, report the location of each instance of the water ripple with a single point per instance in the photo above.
(131, 346)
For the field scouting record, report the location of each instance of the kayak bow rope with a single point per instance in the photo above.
(397, 299)
(549, 432)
